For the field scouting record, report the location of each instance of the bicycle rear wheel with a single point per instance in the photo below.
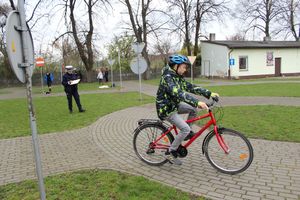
(143, 139)
(240, 154)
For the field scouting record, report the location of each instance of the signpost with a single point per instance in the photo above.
(192, 60)
(20, 53)
(40, 62)
(138, 65)
(111, 62)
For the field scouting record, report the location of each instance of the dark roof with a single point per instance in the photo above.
(255, 44)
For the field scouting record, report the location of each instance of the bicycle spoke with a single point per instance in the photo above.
(143, 141)
(237, 159)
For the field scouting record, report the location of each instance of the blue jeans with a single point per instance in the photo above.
(179, 122)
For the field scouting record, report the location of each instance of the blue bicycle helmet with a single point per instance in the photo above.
(178, 59)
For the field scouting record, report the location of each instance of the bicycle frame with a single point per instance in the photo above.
(211, 122)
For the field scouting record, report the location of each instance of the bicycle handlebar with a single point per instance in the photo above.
(214, 100)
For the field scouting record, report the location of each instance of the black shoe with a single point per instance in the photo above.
(81, 110)
(189, 136)
(172, 157)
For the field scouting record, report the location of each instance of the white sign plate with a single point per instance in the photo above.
(111, 62)
(138, 65)
(138, 47)
(14, 46)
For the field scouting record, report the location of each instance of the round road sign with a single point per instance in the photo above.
(14, 46)
(138, 65)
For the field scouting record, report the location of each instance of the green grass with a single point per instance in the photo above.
(280, 123)
(266, 89)
(81, 87)
(195, 81)
(53, 116)
(95, 184)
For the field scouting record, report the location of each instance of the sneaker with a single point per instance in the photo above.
(81, 110)
(172, 157)
(189, 136)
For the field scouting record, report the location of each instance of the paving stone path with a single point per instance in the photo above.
(107, 144)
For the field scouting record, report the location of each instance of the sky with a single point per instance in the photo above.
(107, 25)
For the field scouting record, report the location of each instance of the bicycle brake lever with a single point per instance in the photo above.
(216, 98)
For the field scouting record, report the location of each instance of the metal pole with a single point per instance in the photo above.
(112, 75)
(42, 79)
(120, 67)
(140, 79)
(29, 99)
(192, 74)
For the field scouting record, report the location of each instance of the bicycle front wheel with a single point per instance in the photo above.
(239, 156)
(143, 141)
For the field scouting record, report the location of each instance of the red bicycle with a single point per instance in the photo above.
(227, 150)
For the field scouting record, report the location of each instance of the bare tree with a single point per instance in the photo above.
(289, 16)
(82, 33)
(182, 24)
(206, 11)
(236, 37)
(261, 15)
(163, 48)
(139, 26)
(5, 70)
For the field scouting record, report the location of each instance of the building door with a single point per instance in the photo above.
(206, 70)
(277, 66)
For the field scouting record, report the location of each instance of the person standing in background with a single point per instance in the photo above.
(70, 82)
(100, 76)
(106, 74)
(49, 79)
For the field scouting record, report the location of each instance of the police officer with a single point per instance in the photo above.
(71, 89)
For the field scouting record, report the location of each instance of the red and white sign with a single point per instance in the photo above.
(40, 62)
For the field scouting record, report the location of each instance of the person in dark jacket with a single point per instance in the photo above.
(172, 100)
(70, 82)
(49, 79)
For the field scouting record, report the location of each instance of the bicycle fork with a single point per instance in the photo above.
(221, 141)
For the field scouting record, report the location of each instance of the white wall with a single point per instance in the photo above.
(257, 65)
(214, 59)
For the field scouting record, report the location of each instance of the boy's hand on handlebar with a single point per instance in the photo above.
(202, 105)
(215, 96)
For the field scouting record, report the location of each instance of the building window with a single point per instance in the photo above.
(243, 62)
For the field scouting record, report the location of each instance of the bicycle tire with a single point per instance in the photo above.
(143, 136)
(239, 157)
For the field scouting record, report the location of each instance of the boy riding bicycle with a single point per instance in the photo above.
(171, 100)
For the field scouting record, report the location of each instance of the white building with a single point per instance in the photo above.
(249, 59)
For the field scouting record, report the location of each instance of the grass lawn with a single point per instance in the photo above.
(53, 116)
(95, 184)
(60, 88)
(279, 123)
(266, 89)
(196, 81)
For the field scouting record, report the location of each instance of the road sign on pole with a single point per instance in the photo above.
(14, 46)
(39, 62)
(20, 49)
(192, 60)
(138, 65)
(111, 62)
(138, 47)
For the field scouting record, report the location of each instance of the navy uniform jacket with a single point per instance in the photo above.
(69, 77)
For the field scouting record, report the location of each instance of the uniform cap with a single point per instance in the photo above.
(69, 67)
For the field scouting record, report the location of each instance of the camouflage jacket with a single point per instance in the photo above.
(172, 90)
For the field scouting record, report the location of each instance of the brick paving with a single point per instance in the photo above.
(107, 144)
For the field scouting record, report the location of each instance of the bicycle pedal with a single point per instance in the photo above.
(149, 151)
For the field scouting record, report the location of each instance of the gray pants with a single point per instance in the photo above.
(180, 123)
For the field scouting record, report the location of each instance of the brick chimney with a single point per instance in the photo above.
(212, 36)
(267, 38)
